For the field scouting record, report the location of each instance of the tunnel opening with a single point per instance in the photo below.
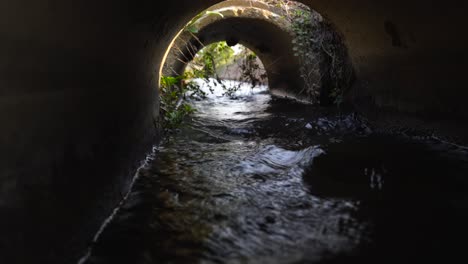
(228, 61)
(304, 55)
(216, 69)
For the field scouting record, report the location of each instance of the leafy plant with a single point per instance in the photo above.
(205, 65)
(212, 58)
(173, 91)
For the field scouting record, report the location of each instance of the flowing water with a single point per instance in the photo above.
(256, 179)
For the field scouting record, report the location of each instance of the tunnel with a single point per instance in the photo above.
(261, 30)
(79, 96)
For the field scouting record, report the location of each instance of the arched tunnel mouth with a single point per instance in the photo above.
(304, 56)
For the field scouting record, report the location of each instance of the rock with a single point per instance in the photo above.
(309, 126)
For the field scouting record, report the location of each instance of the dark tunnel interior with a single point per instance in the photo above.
(80, 120)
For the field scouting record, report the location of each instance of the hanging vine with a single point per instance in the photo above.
(325, 66)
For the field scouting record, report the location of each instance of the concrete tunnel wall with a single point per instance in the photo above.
(78, 98)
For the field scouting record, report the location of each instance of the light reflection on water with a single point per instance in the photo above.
(253, 179)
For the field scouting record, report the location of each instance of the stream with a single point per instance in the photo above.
(258, 179)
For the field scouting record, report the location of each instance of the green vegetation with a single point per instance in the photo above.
(323, 56)
(324, 65)
(205, 65)
(209, 59)
(173, 110)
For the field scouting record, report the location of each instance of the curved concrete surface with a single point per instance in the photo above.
(78, 98)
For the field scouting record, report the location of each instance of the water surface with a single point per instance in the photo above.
(256, 179)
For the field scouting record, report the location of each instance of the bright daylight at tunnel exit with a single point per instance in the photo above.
(236, 131)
